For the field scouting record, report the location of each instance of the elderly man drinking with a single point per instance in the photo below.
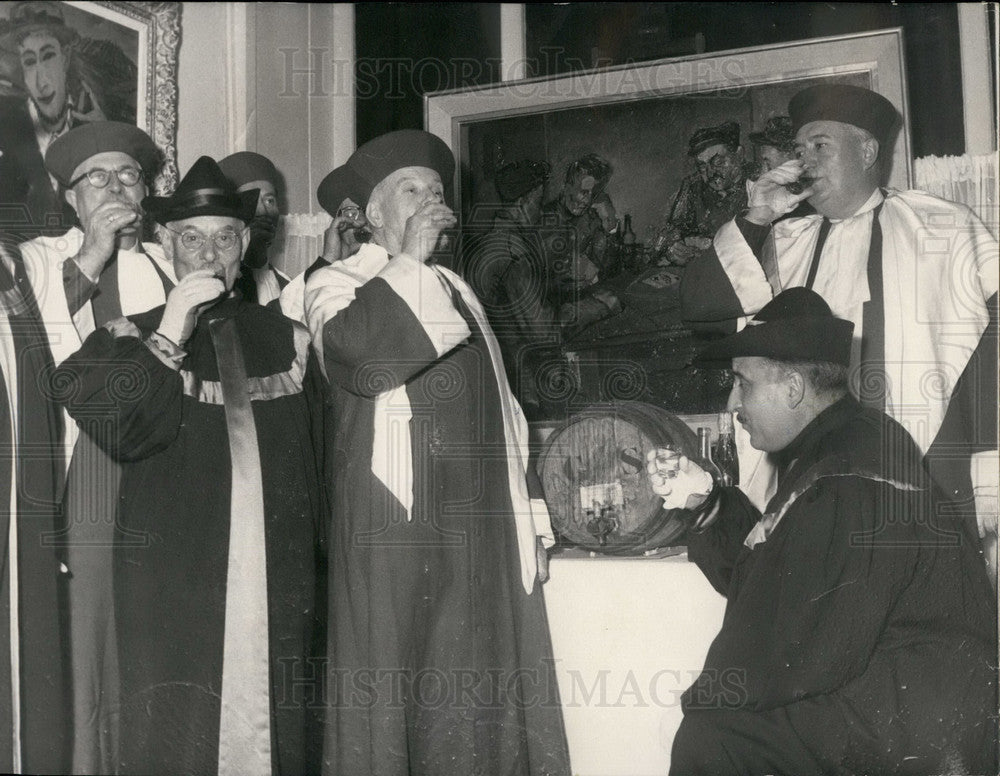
(206, 403)
(439, 645)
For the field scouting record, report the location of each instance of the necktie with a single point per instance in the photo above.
(824, 232)
(871, 391)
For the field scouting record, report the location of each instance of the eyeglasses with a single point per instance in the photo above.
(127, 176)
(193, 240)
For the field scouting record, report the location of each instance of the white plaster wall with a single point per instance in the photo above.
(201, 85)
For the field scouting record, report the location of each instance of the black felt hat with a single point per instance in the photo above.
(380, 157)
(204, 191)
(797, 325)
(246, 167)
(847, 104)
(69, 151)
(728, 134)
(777, 133)
(518, 178)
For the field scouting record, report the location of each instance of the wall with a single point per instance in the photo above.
(201, 68)
(276, 78)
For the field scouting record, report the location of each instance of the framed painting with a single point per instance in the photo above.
(641, 120)
(640, 117)
(66, 63)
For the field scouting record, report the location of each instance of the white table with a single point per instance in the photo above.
(629, 636)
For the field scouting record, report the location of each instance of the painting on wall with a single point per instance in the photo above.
(640, 118)
(648, 125)
(63, 64)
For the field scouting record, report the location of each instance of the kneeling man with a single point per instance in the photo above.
(859, 634)
(205, 403)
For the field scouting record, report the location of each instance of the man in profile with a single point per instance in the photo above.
(860, 631)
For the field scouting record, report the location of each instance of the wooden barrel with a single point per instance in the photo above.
(593, 471)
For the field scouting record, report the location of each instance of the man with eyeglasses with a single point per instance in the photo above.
(259, 280)
(94, 273)
(710, 196)
(219, 515)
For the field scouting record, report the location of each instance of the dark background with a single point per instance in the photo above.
(419, 48)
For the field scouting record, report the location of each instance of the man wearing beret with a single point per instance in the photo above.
(440, 657)
(917, 276)
(82, 279)
(860, 632)
(259, 281)
(206, 402)
(709, 197)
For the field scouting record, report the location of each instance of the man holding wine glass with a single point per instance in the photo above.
(859, 626)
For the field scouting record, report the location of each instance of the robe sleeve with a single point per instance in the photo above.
(723, 283)
(120, 394)
(850, 550)
(375, 336)
(716, 548)
(728, 281)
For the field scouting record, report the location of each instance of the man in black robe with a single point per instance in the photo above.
(206, 403)
(860, 634)
(441, 661)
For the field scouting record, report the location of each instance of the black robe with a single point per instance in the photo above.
(860, 636)
(172, 533)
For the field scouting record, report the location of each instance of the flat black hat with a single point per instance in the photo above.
(847, 104)
(797, 325)
(777, 133)
(727, 133)
(69, 151)
(246, 167)
(518, 178)
(204, 191)
(380, 157)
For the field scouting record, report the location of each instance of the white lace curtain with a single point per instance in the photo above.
(969, 179)
(301, 241)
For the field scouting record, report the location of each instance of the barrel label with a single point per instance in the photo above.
(602, 495)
